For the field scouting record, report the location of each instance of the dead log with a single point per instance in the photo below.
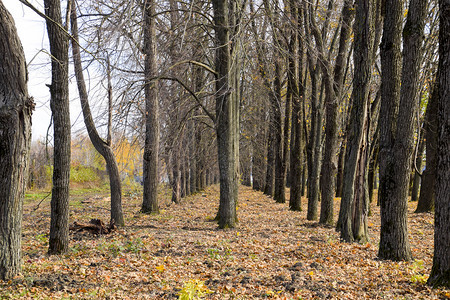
(95, 226)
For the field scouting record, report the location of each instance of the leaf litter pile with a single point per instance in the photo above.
(180, 253)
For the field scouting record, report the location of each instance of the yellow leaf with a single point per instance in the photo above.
(311, 273)
(160, 268)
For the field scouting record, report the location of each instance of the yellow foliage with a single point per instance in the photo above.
(129, 157)
(160, 268)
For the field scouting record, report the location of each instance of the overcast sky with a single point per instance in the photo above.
(32, 33)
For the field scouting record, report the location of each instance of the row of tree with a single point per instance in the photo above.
(295, 93)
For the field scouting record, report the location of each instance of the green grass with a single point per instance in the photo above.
(33, 196)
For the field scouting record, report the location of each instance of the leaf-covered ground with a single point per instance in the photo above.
(273, 253)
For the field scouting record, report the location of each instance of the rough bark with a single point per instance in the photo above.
(340, 170)
(15, 138)
(396, 130)
(151, 147)
(333, 89)
(100, 145)
(182, 178)
(200, 160)
(270, 170)
(427, 189)
(187, 177)
(314, 147)
(440, 272)
(296, 161)
(227, 114)
(304, 175)
(195, 135)
(193, 162)
(175, 145)
(354, 202)
(176, 177)
(59, 104)
(360, 213)
(275, 100)
(280, 195)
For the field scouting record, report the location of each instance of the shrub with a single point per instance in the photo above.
(193, 289)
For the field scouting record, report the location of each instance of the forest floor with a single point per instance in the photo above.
(273, 253)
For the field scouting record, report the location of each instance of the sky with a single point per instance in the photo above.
(33, 35)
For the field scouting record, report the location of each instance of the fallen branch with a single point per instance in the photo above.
(95, 226)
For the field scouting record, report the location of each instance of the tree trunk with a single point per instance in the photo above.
(313, 199)
(304, 176)
(314, 148)
(360, 209)
(182, 178)
(340, 170)
(427, 189)
(208, 177)
(187, 177)
(332, 101)
(396, 131)
(100, 145)
(193, 162)
(372, 172)
(395, 244)
(353, 201)
(176, 177)
(270, 171)
(110, 102)
(195, 136)
(440, 273)
(151, 147)
(227, 113)
(15, 139)
(416, 177)
(280, 190)
(276, 102)
(296, 161)
(200, 164)
(59, 104)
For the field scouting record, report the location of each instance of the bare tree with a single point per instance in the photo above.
(355, 203)
(227, 107)
(151, 148)
(59, 104)
(100, 145)
(334, 83)
(397, 125)
(298, 97)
